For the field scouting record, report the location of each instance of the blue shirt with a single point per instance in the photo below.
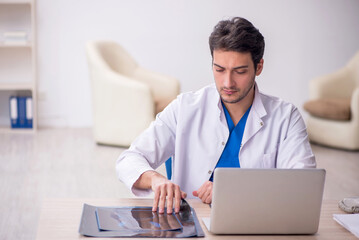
(229, 157)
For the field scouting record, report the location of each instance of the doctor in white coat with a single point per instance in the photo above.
(201, 130)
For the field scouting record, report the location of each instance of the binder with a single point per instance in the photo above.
(14, 119)
(29, 113)
(21, 112)
(21, 106)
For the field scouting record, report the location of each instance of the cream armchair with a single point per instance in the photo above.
(125, 96)
(342, 84)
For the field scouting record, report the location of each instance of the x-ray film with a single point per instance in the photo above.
(139, 222)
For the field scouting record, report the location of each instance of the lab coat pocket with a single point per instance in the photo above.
(270, 159)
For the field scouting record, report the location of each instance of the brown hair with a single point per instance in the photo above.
(239, 35)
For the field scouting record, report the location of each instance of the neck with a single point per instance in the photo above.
(237, 110)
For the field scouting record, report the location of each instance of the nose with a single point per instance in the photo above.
(227, 80)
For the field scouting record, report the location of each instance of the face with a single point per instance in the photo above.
(234, 75)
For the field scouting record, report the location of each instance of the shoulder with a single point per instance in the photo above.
(193, 102)
(280, 112)
(276, 104)
(206, 94)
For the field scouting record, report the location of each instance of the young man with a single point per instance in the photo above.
(226, 124)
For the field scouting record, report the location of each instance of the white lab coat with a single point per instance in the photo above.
(193, 129)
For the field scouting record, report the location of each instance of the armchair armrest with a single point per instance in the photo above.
(121, 105)
(336, 85)
(354, 107)
(164, 88)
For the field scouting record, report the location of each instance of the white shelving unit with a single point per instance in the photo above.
(18, 74)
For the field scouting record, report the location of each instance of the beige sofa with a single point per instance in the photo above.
(125, 96)
(342, 85)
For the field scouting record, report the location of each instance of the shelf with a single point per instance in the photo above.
(18, 71)
(16, 2)
(16, 130)
(10, 45)
(17, 86)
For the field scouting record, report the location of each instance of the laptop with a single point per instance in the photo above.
(266, 201)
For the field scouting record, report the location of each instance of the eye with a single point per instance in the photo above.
(241, 72)
(219, 70)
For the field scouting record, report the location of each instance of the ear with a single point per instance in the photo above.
(259, 67)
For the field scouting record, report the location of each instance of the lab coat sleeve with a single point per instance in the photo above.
(295, 151)
(149, 150)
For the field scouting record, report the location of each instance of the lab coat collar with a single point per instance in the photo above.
(257, 105)
(221, 114)
(254, 120)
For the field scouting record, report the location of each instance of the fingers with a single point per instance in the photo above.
(178, 196)
(170, 196)
(183, 195)
(204, 192)
(174, 192)
(208, 199)
(162, 201)
(156, 199)
(167, 191)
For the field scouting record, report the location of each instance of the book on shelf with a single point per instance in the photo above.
(13, 112)
(21, 112)
(29, 112)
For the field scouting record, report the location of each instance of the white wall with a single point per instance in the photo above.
(304, 39)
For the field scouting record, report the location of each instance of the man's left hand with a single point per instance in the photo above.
(205, 192)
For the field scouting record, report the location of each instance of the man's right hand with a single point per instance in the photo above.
(164, 190)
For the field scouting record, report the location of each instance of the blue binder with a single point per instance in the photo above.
(21, 106)
(21, 114)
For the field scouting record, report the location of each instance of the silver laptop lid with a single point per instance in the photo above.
(266, 201)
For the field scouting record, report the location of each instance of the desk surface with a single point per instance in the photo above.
(60, 219)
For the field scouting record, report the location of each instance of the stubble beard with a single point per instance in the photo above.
(241, 96)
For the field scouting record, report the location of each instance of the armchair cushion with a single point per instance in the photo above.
(329, 108)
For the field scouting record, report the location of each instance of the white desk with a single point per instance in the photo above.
(60, 219)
